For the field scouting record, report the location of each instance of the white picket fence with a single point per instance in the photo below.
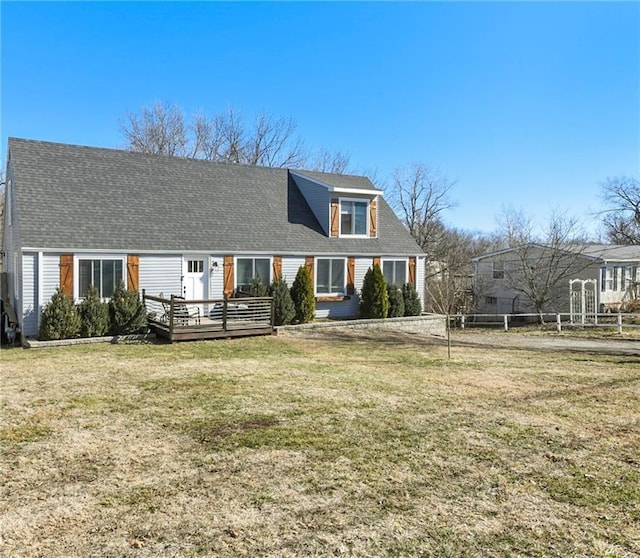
(561, 320)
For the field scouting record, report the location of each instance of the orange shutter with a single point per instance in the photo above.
(373, 219)
(228, 276)
(351, 275)
(133, 264)
(335, 217)
(277, 267)
(412, 271)
(308, 262)
(376, 261)
(66, 274)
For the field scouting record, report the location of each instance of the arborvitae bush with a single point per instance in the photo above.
(284, 310)
(258, 288)
(304, 300)
(126, 311)
(412, 304)
(396, 301)
(374, 301)
(94, 314)
(59, 319)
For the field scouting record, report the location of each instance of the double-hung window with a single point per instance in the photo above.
(248, 269)
(395, 272)
(498, 270)
(353, 218)
(331, 276)
(104, 275)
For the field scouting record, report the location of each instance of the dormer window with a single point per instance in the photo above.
(353, 217)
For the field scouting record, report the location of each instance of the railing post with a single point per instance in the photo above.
(506, 322)
(224, 313)
(171, 315)
(559, 323)
(462, 322)
(273, 313)
(619, 323)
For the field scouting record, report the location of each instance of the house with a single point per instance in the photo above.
(80, 215)
(505, 280)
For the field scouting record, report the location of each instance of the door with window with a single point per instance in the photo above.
(194, 285)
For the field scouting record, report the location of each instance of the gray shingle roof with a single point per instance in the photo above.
(85, 198)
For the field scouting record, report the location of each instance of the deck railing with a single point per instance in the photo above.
(177, 318)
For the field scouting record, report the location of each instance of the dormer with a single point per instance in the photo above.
(346, 206)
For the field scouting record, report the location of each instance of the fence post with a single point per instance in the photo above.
(619, 323)
(462, 322)
(559, 323)
(506, 322)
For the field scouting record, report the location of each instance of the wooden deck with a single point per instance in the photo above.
(176, 319)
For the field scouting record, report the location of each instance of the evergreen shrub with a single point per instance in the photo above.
(127, 313)
(412, 304)
(94, 315)
(396, 301)
(284, 309)
(304, 299)
(374, 300)
(59, 318)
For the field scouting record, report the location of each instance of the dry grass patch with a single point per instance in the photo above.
(318, 445)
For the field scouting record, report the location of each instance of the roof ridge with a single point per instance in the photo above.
(14, 139)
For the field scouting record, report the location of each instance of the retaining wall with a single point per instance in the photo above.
(428, 324)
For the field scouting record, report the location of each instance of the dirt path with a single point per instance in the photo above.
(548, 342)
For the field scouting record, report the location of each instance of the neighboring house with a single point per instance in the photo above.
(499, 277)
(81, 215)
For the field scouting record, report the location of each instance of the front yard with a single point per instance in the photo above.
(324, 444)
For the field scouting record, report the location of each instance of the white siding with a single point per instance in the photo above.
(30, 308)
(290, 267)
(342, 309)
(216, 278)
(50, 276)
(420, 271)
(361, 268)
(160, 274)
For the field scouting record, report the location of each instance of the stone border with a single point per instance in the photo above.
(114, 339)
(427, 324)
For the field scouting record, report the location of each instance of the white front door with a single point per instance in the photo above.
(195, 274)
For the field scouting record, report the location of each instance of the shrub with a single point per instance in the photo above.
(304, 301)
(412, 304)
(284, 309)
(258, 288)
(396, 301)
(127, 312)
(374, 301)
(59, 319)
(94, 315)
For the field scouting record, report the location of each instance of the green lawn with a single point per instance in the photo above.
(320, 445)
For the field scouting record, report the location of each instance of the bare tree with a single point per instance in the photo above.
(224, 138)
(621, 218)
(159, 130)
(539, 266)
(419, 195)
(324, 160)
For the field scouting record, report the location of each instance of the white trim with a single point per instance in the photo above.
(39, 303)
(94, 256)
(315, 276)
(341, 189)
(406, 266)
(367, 202)
(221, 253)
(251, 257)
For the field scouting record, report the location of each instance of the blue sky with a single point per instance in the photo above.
(529, 105)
